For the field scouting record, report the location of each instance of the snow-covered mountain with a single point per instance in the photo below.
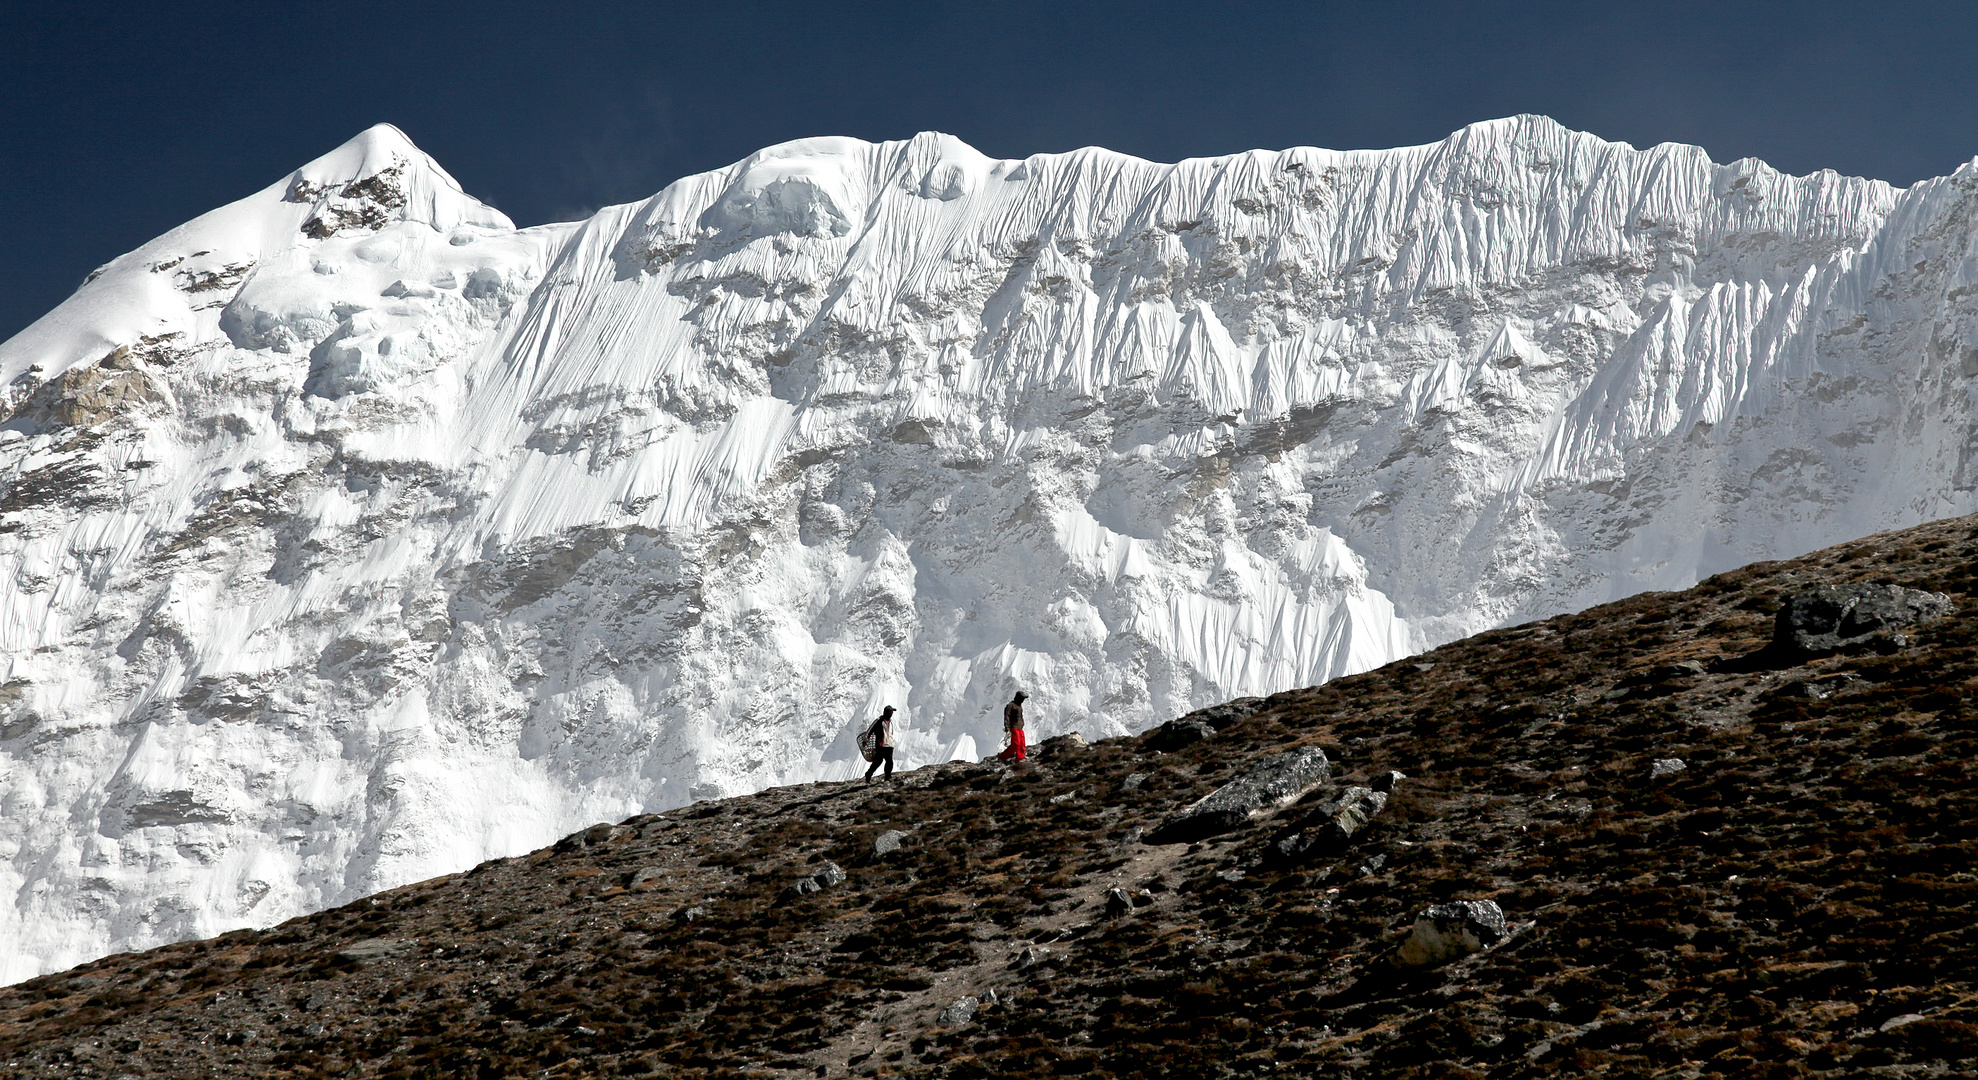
(352, 535)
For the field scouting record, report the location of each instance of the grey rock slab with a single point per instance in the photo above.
(1272, 783)
(645, 875)
(888, 842)
(1445, 932)
(1666, 767)
(828, 875)
(1895, 1022)
(1335, 825)
(1832, 617)
(959, 1013)
(370, 949)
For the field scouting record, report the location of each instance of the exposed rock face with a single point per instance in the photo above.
(1834, 617)
(1445, 932)
(1275, 782)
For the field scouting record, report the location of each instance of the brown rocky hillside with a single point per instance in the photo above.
(1795, 899)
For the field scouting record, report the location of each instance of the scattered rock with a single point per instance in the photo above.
(1275, 782)
(1133, 781)
(645, 875)
(1143, 898)
(1668, 766)
(1372, 866)
(1446, 932)
(1060, 800)
(1385, 782)
(1654, 682)
(959, 1013)
(1229, 712)
(1118, 904)
(888, 842)
(1895, 1022)
(1176, 734)
(601, 833)
(1334, 825)
(370, 949)
(823, 877)
(1834, 617)
(1819, 689)
(1062, 744)
(1032, 956)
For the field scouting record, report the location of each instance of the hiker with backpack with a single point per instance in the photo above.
(1013, 724)
(877, 744)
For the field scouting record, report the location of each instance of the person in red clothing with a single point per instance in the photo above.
(1013, 723)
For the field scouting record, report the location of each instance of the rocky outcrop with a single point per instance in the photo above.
(1335, 824)
(823, 877)
(1265, 787)
(1831, 618)
(1445, 932)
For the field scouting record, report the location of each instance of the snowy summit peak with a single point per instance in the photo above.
(350, 535)
(381, 166)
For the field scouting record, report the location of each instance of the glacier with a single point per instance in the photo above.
(352, 535)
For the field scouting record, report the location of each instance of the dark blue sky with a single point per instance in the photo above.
(121, 120)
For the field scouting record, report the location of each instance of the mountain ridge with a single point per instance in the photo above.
(355, 535)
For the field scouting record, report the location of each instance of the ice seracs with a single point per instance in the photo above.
(352, 535)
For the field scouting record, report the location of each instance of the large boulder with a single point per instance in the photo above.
(1202, 723)
(1274, 782)
(1446, 932)
(1176, 734)
(1834, 617)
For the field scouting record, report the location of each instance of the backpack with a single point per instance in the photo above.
(869, 742)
